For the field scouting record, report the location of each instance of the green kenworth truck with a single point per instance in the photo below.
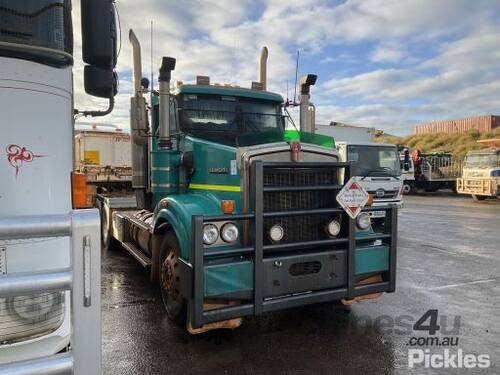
(235, 216)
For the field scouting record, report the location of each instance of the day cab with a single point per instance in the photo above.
(236, 216)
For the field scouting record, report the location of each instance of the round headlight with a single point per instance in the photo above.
(363, 221)
(229, 232)
(276, 233)
(35, 308)
(210, 234)
(333, 228)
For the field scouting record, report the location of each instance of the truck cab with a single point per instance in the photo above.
(481, 174)
(235, 215)
(377, 168)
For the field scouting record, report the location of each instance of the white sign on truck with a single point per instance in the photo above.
(352, 198)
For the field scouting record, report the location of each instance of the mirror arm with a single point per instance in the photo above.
(97, 113)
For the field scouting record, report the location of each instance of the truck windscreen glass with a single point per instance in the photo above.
(37, 30)
(482, 161)
(225, 119)
(376, 161)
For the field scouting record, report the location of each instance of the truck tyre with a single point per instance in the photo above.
(478, 197)
(107, 241)
(407, 188)
(175, 304)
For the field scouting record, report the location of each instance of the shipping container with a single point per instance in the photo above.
(480, 123)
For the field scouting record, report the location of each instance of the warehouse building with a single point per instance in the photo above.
(479, 123)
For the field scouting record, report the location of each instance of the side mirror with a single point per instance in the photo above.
(99, 33)
(406, 166)
(100, 82)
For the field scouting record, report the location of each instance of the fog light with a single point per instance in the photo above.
(210, 234)
(363, 221)
(229, 232)
(276, 233)
(333, 228)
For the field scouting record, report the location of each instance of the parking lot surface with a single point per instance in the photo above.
(448, 260)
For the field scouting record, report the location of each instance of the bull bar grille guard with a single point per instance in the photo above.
(194, 288)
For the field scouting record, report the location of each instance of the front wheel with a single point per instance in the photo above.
(478, 197)
(174, 303)
(107, 240)
(407, 188)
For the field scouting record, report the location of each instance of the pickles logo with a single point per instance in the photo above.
(17, 156)
(434, 351)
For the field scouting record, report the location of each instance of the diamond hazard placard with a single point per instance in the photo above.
(352, 198)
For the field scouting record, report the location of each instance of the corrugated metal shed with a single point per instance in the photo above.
(479, 123)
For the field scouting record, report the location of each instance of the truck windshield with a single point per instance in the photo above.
(374, 160)
(37, 30)
(225, 119)
(487, 160)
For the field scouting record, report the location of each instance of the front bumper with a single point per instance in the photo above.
(398, 203)
(264, 277)
(478, 186)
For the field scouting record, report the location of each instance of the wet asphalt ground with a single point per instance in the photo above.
(449, 260)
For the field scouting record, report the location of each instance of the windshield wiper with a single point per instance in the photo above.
(379, 170)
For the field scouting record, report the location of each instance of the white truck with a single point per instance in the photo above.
(377, 168)
(49, 248)
(428, 171)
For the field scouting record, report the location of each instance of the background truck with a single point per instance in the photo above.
(233, 220)
(481, 172)
(49, 248)
(102, 154)
(377, 168)
(431, 171)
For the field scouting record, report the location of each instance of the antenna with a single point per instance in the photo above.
(296, 73)
(152, 76)
(287, 90)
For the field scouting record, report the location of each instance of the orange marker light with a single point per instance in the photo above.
(370, 200)
(227, 206)
(79, 190)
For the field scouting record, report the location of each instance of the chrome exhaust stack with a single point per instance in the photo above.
(263, 67)
(167, 65)
(307, 109)
(138, 127)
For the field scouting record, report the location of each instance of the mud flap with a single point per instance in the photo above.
(223, 324)
(368, 280)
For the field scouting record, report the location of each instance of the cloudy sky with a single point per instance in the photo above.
(383, 63)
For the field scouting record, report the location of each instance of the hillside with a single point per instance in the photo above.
(458, 144)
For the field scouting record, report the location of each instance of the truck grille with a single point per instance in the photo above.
(300, 228)
(388, 194)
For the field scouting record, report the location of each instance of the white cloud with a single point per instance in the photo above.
(222, 38)
(388, 54)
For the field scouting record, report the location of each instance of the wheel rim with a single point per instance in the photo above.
(406, 189)
(170, 283)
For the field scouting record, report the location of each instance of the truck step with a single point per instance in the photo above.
(137, 254)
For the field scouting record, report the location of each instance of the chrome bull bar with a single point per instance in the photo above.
(82, 279)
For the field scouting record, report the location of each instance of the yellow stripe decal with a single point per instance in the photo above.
(215, 187)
